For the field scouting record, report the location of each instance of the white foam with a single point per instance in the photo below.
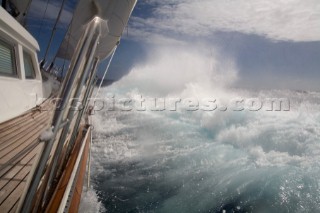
(235, 148)
(46, 135)
(89, 202)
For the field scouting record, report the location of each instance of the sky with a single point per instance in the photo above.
(272, 43)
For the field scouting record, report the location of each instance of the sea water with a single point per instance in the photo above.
(223, 160)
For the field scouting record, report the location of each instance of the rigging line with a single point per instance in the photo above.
(24, 14)
(42, 19)
(105, 72)
(68, 42)
(54, 29)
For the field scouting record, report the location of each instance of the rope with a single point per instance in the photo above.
(105, 72)
(90, 145)
(54, 30)
(42, 19)
(67, 50)
(24, 14)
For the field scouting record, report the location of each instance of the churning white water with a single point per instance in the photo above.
(203, 161)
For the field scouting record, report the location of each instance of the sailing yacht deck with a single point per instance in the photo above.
(93, 35)
(19, 150)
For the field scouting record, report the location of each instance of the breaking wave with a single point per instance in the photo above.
(205, 161)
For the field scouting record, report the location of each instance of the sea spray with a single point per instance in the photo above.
(200, 161)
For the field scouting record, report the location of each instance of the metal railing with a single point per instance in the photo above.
(73, 83)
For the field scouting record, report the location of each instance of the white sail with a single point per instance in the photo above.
(114, 14)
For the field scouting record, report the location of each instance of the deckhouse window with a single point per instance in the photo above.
(28, 66)
(7, 59)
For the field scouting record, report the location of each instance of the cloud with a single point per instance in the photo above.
(285, 20)
(149, 35)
